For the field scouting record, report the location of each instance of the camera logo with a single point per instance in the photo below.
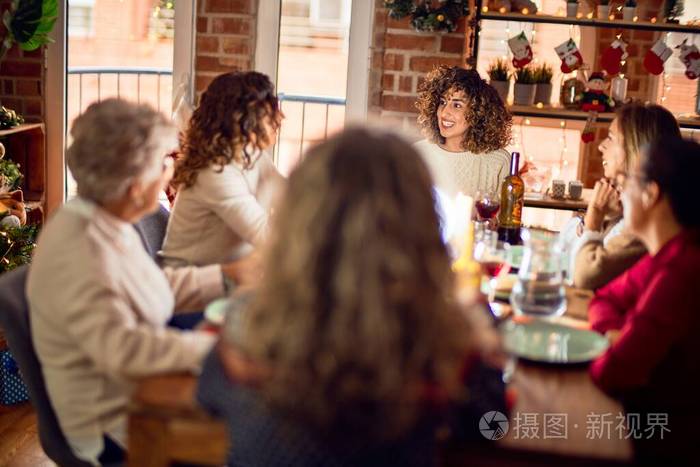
(493, 425)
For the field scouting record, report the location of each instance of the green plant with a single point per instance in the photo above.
(673, 9)
(429, 16)
(10, 176)
(524, 76)
(16, 246)
(28, 24)
(543, 74)
(498, 70)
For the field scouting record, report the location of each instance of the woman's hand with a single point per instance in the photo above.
(244, 272)
(605, 200)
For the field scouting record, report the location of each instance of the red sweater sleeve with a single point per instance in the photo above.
(610, 303)
(660, 317)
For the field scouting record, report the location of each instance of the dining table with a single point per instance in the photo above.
(558, 417)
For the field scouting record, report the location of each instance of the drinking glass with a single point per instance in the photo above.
(487, 205)
(494, 258)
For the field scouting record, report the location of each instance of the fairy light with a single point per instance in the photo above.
(525, 11)
(665, 87)
(502, 10)
(563, 161)
(611, 17)
(653, 20)
(484, 9)
(636, 18)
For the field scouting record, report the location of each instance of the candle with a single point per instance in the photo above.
(619, 89)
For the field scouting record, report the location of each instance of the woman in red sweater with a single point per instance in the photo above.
(651, 313)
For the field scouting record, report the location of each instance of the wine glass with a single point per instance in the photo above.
(493, 256)
(487, 205)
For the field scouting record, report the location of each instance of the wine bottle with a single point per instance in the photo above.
(512, 199)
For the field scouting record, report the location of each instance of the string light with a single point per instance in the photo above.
(485, 9)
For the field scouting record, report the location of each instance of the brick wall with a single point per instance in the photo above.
(401, 58)
(22, 78)
(225, 38)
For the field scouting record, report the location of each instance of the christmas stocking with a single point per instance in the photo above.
(522, 51)
(588, 133)
(613, 55)
(656, 56)
(691, 59)
(571, 58)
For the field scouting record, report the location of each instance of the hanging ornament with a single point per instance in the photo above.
(522, 50)
(656, 57)
(570, 55)
(588, 133)
(612, 57)
(690, 58)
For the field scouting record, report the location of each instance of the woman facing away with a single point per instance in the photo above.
(651, 313)
(225, 178)
(467, 127)
(353, 348)
(601, 247)
(98, 303)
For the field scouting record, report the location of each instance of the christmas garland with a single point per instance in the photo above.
(16, 246)
(429, 15)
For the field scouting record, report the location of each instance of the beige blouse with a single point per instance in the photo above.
(464, 171)
(98, 308)
(223, 215)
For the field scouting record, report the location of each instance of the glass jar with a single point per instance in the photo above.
(539, 290)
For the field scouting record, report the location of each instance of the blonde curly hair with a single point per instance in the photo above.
(488, 121)
(230, 117)
(354, 318)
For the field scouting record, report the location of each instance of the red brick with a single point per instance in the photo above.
(228, 6)
(453, 45)
(393, 62)
(211, 64)
(399, 103)
(20, 68)
(207, 44)
(461, 25)
(235, 63)
(643, 35)
(235, 46)
(202, 24)
(406, 84)
(230, 26)
(425, 64)
(404, 23)
(380, 19)
(33, 108)
(28, 87)
(406, 42)
(202, 82)
(387, 82)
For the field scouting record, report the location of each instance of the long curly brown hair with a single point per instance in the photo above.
(230, 116)
(354, 316)
(488, 121)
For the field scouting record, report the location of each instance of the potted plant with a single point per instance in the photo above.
(498, 77)
(524, 89)
(603, 9)
(630, 10)
(673, 10)
(543, 80)
(571, 8)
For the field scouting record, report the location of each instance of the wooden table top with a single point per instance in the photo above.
(540, 392)
(548, 202)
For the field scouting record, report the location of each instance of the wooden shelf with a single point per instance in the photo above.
(21, 128)
(685, 121)
(593, 22)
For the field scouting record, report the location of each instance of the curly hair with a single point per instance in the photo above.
(354, 316)
(230, 117)
(488, 121)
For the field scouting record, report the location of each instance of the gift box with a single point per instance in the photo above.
(12, 388)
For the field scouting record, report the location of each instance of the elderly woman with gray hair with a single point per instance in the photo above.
(98, 303)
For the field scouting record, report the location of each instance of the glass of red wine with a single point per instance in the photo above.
(487, 206)
(493, 256)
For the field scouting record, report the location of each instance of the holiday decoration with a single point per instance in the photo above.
(656, 57)
(612, 57)
(570, 55)
(429, 15)
(522, 51)
(690, 58)
(594, 98)
(570, 90)
(520, 6)
(9, 118)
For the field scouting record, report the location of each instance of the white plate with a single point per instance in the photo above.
(215, 312)
(543, 341)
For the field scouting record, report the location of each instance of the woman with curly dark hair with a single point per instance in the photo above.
(354, 348)
(467, 127)
(225, 179)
